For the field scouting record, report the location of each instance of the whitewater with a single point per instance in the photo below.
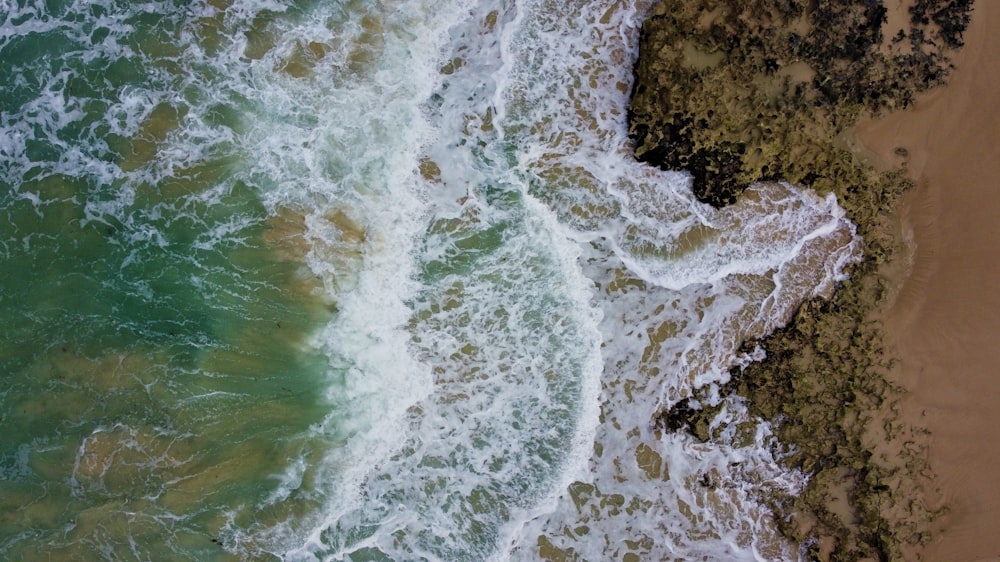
(372, 280)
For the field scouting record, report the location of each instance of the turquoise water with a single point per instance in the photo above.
(367, 280)
(155, 362)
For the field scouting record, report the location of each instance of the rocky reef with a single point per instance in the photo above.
(739, 91)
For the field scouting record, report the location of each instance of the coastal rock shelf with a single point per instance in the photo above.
(737, 92)
(740, 91)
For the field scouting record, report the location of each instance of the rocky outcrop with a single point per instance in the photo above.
(742, 91)
(738, 91)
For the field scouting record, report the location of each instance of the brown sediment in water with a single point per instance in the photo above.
(739, 92)
(944, 320)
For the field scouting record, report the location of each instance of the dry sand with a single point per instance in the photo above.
(945, 319)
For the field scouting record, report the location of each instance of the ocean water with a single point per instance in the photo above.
(370, 280)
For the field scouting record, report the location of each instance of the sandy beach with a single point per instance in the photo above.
(944, 319)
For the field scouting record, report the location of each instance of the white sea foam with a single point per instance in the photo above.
(680, 284)
(467, 336)
(515, 296)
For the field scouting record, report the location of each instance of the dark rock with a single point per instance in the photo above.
(706, 68)
(738, 91)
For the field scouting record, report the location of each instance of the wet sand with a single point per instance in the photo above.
(944, 320)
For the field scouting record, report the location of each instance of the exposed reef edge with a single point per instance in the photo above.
(743, 91)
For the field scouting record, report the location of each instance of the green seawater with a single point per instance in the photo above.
(156, 363)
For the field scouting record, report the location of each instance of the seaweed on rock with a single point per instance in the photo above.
(738, 91)
(742, 91)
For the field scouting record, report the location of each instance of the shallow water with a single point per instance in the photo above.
(369, 281)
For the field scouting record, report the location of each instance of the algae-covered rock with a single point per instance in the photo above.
(737, 91)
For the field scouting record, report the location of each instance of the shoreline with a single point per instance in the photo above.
(748, 113)
(944, 311)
